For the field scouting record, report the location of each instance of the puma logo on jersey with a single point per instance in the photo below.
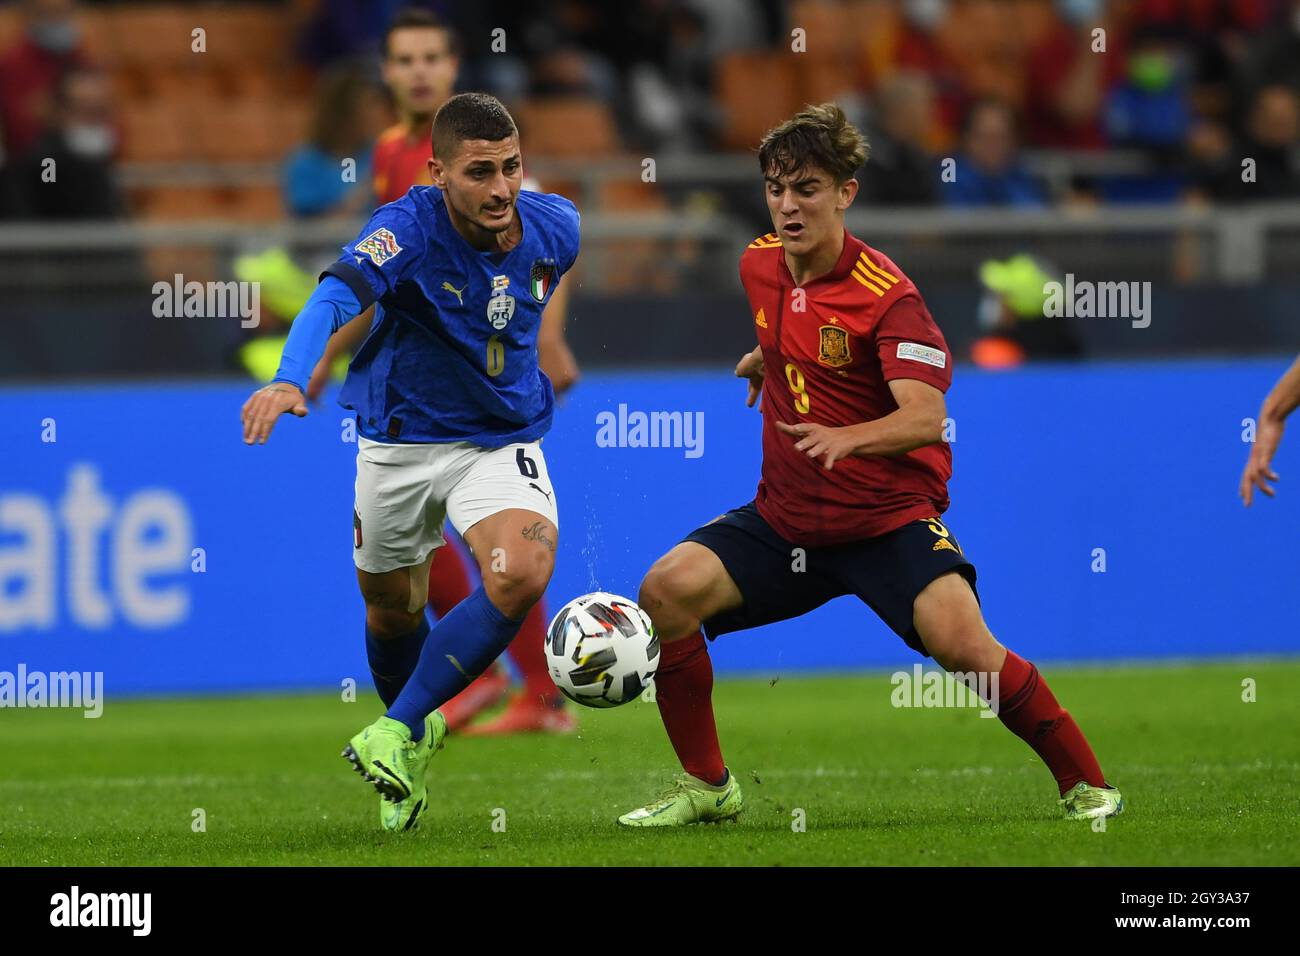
(457, 292)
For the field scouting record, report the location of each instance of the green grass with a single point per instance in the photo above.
(1209, 780)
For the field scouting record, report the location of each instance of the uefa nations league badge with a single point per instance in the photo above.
(501, 306)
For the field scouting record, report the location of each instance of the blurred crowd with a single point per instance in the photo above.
(1193, 100)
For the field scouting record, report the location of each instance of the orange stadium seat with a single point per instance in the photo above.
(568, 126)
(757, 91)
(262, 203)
(630, 195)
(240, 132)
(153, 34)
(171, 203)
(246, 34)
(11, 27)
(155, 133)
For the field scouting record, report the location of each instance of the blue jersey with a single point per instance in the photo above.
(452, 352)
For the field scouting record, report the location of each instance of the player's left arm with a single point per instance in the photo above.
(553, 352)
(917, 422)
(1280, 402)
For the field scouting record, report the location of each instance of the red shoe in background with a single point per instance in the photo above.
(527, 713)
(485, 691)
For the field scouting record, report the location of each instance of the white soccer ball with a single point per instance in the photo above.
(601, 650)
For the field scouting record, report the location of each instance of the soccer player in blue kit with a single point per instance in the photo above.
(451, 406)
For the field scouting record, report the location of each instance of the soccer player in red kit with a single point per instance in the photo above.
(419, 67)
(852, 371)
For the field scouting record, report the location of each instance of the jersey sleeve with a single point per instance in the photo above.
(910, 344)
(572, 238)
(385, 255)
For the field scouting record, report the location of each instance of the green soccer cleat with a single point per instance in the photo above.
(406, 814)
(385, 755)
(1085, 802)
(689, 800)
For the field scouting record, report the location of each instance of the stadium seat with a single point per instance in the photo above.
(176, 203)
(568, 126)
(155, 133)
(152, 34)
(246, 35)
(259, 203)
(757, 91)
(239, 131)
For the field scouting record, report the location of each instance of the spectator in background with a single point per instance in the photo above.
(69, 172)
(1271, 140)
(1150, 110)
(902, 172)
(1273, 57)
(29, 72)
(1066, 81)
(348, 115)
(988, 171)
(918, 49)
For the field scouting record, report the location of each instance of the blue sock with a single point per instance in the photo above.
(393, 659)
(459, 648)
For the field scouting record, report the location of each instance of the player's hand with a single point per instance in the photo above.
(320, 377)
(266, 405)
(558, 362)
(751, 367)
(1259, 471)
(821, 441)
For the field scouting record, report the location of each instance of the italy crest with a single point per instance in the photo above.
(541, 277)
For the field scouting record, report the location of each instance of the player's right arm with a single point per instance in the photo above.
(331, 305)
(1281, 402)
(345, 341)
(371, 267)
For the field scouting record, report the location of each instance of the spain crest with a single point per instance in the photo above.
(834, 350)
(541, 278)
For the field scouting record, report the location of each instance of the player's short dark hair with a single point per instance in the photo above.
(470, 116)
(818, 137)
(417, 18)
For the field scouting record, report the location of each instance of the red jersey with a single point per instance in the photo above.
(830, 348)
(399, 162)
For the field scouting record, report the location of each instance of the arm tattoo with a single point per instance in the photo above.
(537, 532)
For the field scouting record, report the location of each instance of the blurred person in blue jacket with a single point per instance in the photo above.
(988, 171)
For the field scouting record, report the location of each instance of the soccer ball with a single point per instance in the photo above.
(601, 650)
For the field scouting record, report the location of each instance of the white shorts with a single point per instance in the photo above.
(404, 493)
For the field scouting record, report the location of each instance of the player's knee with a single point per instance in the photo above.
(519, 583)
(969, 649)
(667, 593)
(386, 623)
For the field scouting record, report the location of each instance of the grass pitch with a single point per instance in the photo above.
(1209, 780)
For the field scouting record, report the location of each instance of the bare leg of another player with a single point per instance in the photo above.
(690, 585)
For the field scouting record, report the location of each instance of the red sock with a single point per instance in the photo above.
(1030, 711)
(448, 580)
(529, 655)
(684, 690)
